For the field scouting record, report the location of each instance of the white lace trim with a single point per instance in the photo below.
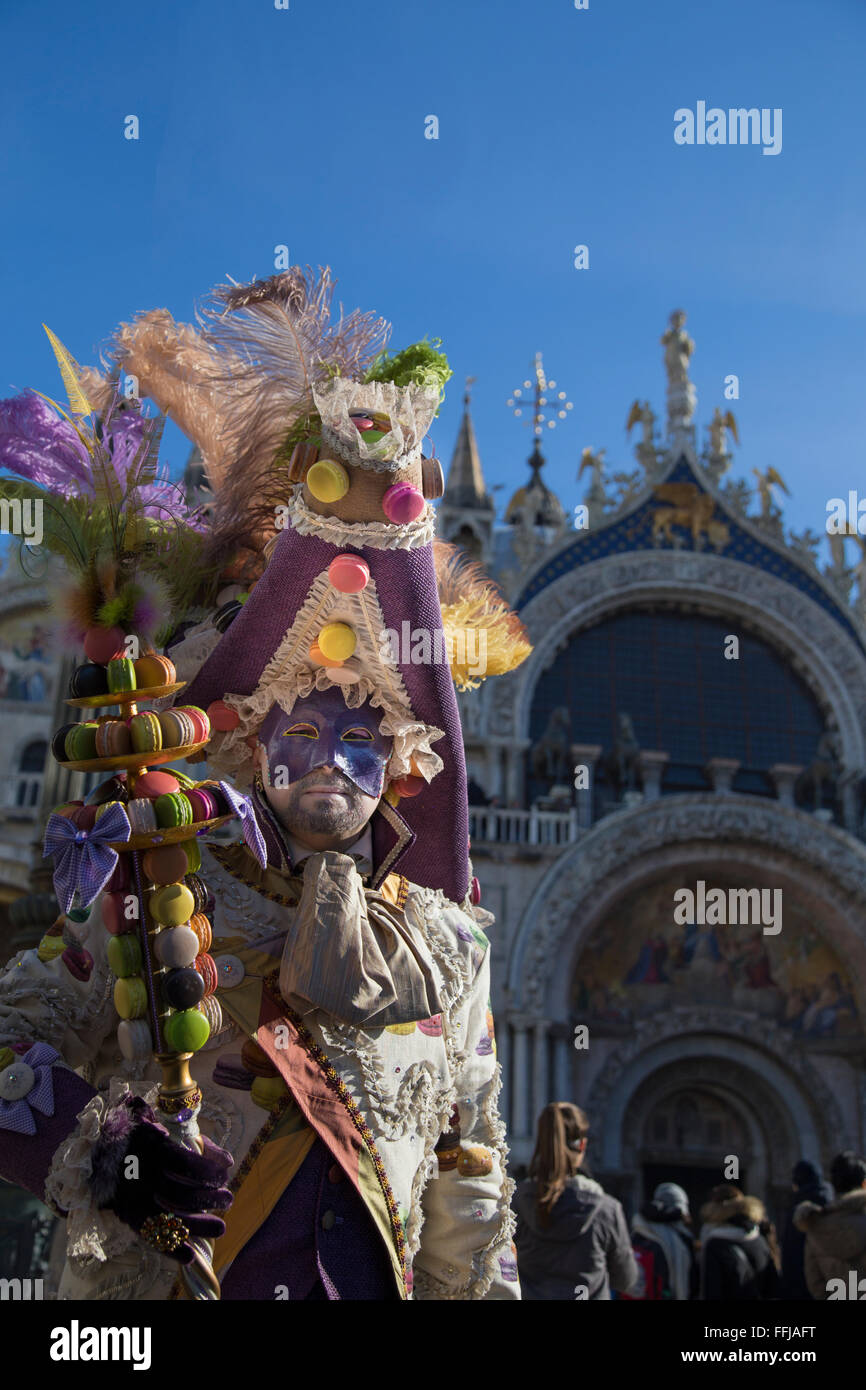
(409, 408)
(191, 653)
(381, 535)
(291, 676)
(91, 1234)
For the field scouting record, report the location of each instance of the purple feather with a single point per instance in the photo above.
(37, 444)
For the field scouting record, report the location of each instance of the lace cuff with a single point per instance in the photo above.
(91, 1234)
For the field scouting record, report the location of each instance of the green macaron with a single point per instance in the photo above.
(121, 674)
(172, 809)
(81, 742)
(186, 1031)
(124, 956)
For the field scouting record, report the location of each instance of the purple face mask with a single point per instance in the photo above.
(322, 731)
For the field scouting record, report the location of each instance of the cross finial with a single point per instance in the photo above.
(543, 404)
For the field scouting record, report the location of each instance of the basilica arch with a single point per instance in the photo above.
(819, 868)
(817, 646)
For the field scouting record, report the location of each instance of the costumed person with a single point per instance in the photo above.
(328, 978)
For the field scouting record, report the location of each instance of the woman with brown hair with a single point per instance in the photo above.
(572, 1239)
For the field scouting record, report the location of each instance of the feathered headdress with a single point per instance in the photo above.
(312, 437)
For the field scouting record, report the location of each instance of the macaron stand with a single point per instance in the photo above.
(141, 848)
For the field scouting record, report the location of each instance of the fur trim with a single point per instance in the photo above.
(808, 1216)
(720, 1213)
(109, 1153)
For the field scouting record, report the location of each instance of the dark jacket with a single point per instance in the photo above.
(811, 1188)
(587, 1243)
(736, 1263)
(658, 1219)
(835, 1240)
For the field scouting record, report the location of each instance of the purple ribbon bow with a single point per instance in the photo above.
(83, 859)
(242, 807)
(30, 1074)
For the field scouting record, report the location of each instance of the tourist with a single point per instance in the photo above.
(808, 1186)
(572, 1238)
(664, 1246)
(836, 1233)
(738, 1248)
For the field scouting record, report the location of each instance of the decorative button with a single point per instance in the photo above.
(335, 1173)
(328, 1221)
(402, 503)
(348, 573)
(336, 641)
(230, 970)
(17, 1081)
(327, 480)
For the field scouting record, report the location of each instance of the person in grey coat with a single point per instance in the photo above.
(572, 1238)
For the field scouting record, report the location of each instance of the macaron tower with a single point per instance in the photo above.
(154, 904)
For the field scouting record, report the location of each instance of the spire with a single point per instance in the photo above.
(535, 504)
(465, 487)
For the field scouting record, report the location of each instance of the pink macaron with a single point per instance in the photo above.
(78, 962)
(154, 784)
(114, 919)
(203, 803)
(113, 739)
(200, 722)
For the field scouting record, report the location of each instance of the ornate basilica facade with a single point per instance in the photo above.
(692, 716)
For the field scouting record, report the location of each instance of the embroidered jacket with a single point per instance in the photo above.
(408, 1112)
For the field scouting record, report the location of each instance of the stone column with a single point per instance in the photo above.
(721, 772)
(784, 776)
(520, 1077)
(652, 765)
(585, 755)
(847, 787)
(539, 1070)
(562, 1082)
(493, 779)
(514, 788)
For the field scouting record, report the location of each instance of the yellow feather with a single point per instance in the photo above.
(69, 370)
(471, 604)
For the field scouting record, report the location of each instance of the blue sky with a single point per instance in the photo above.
(306, 127)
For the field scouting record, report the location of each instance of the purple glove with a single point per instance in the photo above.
(170, 1180)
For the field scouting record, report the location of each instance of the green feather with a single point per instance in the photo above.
(420, 363)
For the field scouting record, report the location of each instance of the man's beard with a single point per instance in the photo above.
(329, 816)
